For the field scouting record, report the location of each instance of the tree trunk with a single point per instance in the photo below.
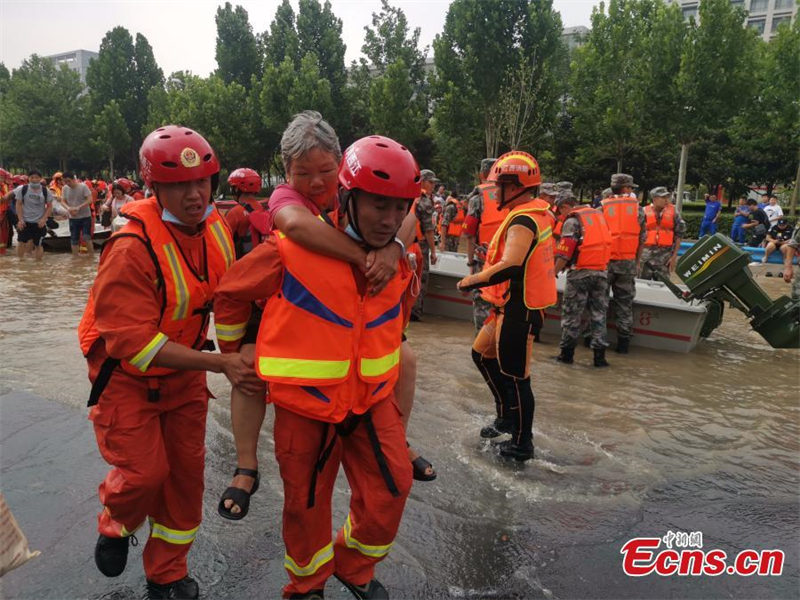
(770, 187)
(681, 176)
(111, 167)
(619, 164)
(795, 192)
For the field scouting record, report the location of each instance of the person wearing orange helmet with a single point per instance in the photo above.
(245, 183)
(330, 352)
(518, 280)
(142, 333)
(57, 184)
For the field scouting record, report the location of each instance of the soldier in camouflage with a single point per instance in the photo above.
(476, 247)
(423, 209)
(587, 286)
(623, 215)
(659, 258)
(449, 215)
(792, 249)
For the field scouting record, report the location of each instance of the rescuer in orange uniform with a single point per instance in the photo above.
(518, 280)
(626, 223)
(246, 183)
(331, 354)
(142, 333)
(585, 248)
(452, 224)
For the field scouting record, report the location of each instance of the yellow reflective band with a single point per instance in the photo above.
(181, 290)
(146, 355)
(365, 549)
(230, 333)
(372, 367)
(222, 241)
(172, 536)
(546, 235)
(320, 558)
(303, 368)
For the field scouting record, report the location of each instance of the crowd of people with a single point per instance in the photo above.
(312, 294)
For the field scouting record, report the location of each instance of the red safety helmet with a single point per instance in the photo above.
(19, 180)
(175, 153)
(516, 165)
(245, 180)
(126, 184)
(379, 165)
(4, 175)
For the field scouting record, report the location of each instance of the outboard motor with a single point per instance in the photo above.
(715, 270)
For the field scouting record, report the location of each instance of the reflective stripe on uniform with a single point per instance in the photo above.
(303, 368)
(172, 536)
(146, 355)
(181, 289)
(230, 333)
(374, 367)
(365, 549)
(219, 234)
(320, 558)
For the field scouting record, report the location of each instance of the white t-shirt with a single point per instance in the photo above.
(773, 212)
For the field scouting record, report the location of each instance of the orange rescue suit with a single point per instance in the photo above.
(660, 231)
(622, 217)
(186, 294)
(457, 224)
(539, 282)
(335, 369)
(595, 248)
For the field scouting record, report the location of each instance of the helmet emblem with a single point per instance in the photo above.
(189, 158)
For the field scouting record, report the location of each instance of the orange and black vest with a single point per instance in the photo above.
(622, 217)
(185, 294)
(539, 280)
(660, 228)
(594, 251)
(325, 349)
(455, 226)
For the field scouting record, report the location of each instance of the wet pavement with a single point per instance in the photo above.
(701, 442)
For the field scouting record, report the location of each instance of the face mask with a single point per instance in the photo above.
(352, 233)
(35, 186)
(168, 217)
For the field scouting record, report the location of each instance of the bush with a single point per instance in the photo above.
(694, 219)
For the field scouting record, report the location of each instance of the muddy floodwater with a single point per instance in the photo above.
(702, 442)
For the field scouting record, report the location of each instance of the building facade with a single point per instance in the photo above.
(77, 60)
(762, 15)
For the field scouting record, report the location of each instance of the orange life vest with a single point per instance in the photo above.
(186, 295)
(595, 249)
(539, 282)
(622, 217)
(660, 230)
(455, 226)
(491, 217)
(325, 349)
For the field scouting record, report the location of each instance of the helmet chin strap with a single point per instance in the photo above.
(504, 202)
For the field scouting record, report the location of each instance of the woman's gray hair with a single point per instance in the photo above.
(308, 130)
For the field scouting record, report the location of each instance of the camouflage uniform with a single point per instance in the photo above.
(480, 307)
(585, 289)
(424, 212)
(795, 243)
(450, 241)
(622, 284)
(655, 259)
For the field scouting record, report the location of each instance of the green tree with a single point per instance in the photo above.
(125, 72)
(716, 69)
(282, 41)
(393, 109)
(237, 51)
(111, 137)
(389, 40)
(5, 78)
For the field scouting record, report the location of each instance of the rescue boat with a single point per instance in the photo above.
(58, 238)
(660, 320)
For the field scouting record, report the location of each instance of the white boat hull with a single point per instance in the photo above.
(660, 320)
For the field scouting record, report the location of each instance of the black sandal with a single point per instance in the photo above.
(421, 467)
(240, 497)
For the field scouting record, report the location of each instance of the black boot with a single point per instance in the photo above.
(567, 355)
(587, 341)
(519, 452)
(183, 589)
(111, 554)
(498, 427)
(310, 595)
(622, 345)
(600, 357)
(373, 590)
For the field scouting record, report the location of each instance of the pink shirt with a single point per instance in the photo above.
(284, 195)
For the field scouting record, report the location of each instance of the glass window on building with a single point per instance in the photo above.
(779, 4)
(757, 24)
(776, 21)
(758, 5)
(690, 13)
(737, 3)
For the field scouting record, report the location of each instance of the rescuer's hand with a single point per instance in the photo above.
(788, 274)
(241, 373)
(382, 266)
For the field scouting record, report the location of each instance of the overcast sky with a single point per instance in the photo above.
(182, 33)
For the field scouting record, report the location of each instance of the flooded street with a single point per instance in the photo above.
(707, 441)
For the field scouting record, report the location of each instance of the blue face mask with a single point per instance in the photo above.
(352, 233)
(170, 218)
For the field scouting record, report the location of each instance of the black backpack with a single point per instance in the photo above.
(25, 191)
